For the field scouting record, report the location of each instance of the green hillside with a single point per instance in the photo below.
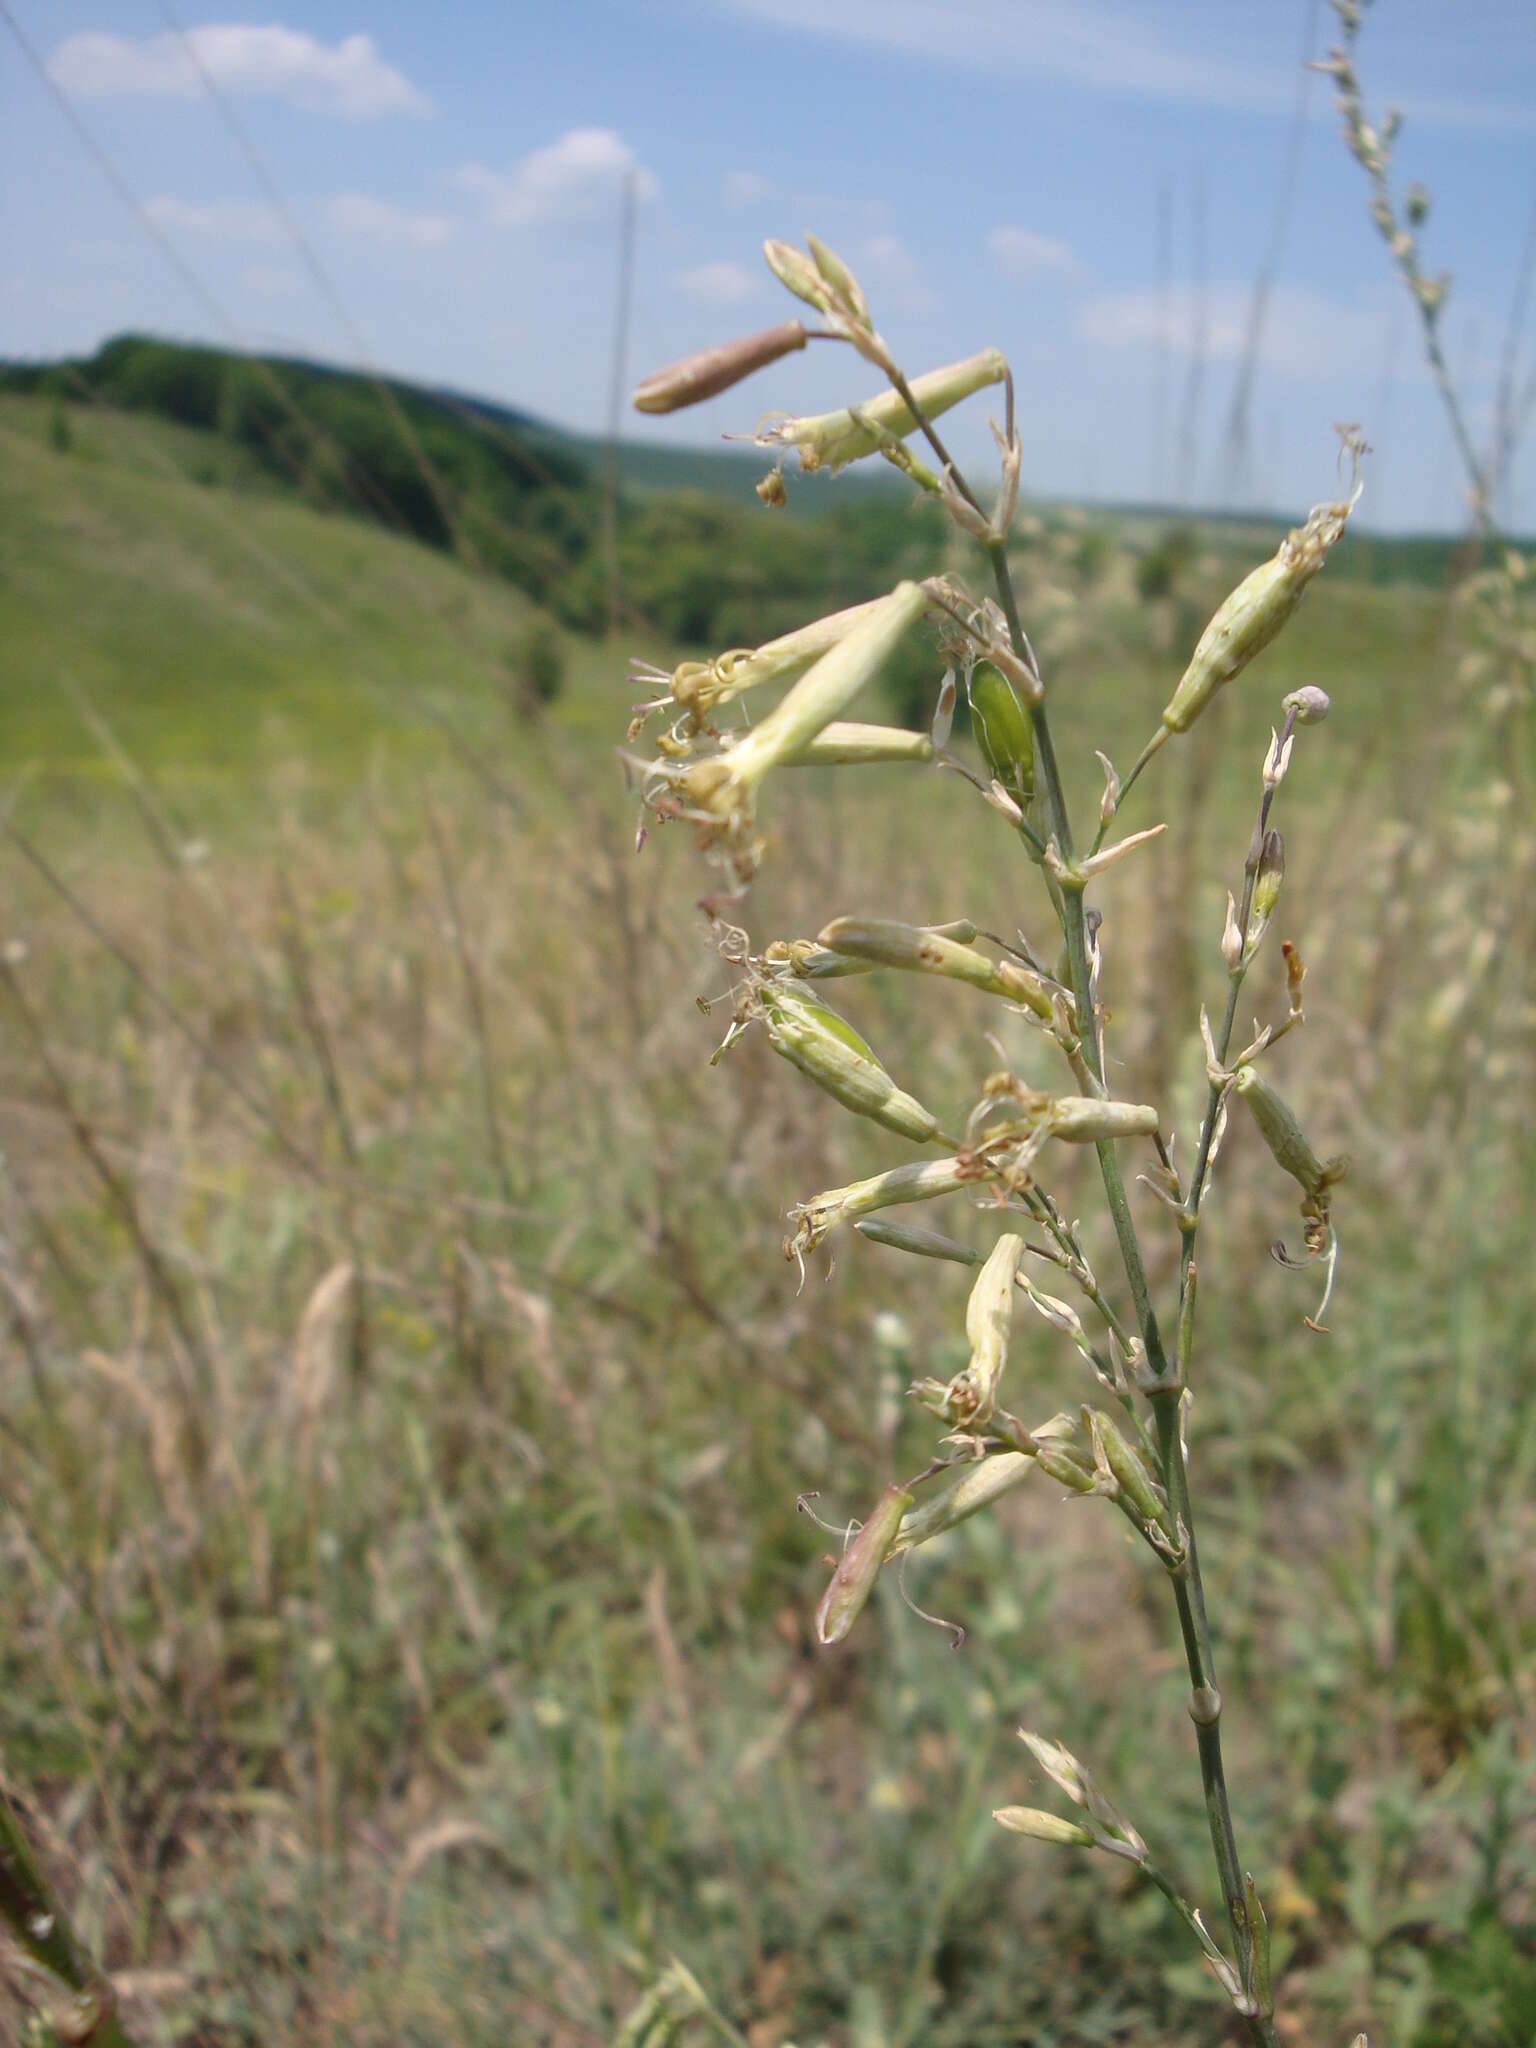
(406, 1634)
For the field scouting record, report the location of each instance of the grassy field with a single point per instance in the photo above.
(405, 1622)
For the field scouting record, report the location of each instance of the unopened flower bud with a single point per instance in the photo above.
(1309, 704)
(1067, 1467)
(1416, 204)
(827, 1049)
(1042, 1827)
(1110, 1829)
(840, 277)
(1126, 1467)
(859, 1567)
(1254, 613)
(923, 1244)
(798, 274)
(1003, 731)
(1231, 937)
(713, 370)
(831, 440)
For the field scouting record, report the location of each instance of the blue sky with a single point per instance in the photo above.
(995, 170)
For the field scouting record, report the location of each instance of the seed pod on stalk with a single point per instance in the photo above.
(1250, 618)
(826, 1048)
(859, 1567)
(1003, 731)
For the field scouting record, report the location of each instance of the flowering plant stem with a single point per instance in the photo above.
(710, 779)
(1165, 1385)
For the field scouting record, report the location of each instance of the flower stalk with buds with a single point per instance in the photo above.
(1135, 1457)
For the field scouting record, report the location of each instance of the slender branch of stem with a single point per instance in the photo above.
(1235, 979)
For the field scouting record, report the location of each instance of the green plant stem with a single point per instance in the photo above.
(41, 1929)
(1189, 1592)
(1075, 932)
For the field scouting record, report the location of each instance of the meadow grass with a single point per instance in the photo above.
(429, 1659)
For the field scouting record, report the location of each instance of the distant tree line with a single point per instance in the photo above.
(706, 565)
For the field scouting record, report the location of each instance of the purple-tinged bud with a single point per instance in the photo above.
(859, 1567)
(713, 370)
(1309, 704)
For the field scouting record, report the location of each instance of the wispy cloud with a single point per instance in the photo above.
(745, 188)
(1076, 42)
(886, 267)
(571, 182)
(348, 78)
(1105, 46)
(357, 213)
(1022, 253)
(721, 284)
(1305, 335)
(227, 220)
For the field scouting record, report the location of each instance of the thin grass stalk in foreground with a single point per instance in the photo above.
(715, 778)
(85, 2005)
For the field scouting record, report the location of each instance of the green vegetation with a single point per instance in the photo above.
(406, 1636)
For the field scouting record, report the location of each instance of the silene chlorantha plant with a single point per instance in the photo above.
(700, 763)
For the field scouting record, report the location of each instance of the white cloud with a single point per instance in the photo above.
(1304, 335)
(570, 182)
(1022, 253)
(229, 220)
(721, 284)
(745, 188)
(356, 213)
(348, 78)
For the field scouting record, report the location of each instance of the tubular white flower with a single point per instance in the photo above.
(831, 440)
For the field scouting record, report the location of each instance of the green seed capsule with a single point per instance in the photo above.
(859, 1567)
(1282, 1133)
(827, 1049)
(1125, 1464)
(1003, 731)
